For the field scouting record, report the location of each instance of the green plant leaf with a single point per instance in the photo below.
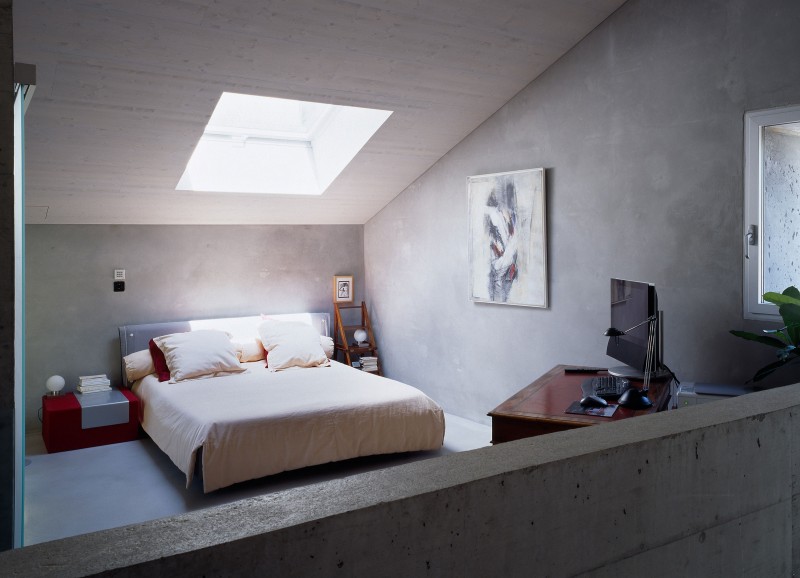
(781, 298)
(779, 334)
(768, 369)
(792, 291)
(786, 339)
(791, 318)
(765, 339)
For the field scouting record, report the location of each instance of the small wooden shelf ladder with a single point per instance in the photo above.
(341, 331)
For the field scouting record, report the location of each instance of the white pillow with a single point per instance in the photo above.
(250, 350)
(138, 365)
(198, 353)
(327, 345)
(291, 344)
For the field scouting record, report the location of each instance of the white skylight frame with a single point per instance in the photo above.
(276, 146)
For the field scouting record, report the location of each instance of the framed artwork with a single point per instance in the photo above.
(508, 238)
(343, 289)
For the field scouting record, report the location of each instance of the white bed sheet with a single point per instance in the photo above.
(259, 422)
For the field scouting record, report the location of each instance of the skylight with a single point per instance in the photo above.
(258, 144)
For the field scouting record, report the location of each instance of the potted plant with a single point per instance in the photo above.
(786, 339)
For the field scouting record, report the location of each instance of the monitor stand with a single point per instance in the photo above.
(633, 373)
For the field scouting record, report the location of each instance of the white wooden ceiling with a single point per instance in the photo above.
(125, 88)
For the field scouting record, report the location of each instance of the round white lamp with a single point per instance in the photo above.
(54, 384)
(361, 336)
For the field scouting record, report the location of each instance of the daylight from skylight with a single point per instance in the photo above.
(258, 144)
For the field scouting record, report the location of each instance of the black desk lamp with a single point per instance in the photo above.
(634, 398)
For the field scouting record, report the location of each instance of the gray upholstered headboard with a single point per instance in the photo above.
(133, 338)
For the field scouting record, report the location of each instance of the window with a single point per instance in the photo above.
(258, 144)
(772, 207)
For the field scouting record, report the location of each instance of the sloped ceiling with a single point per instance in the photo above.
(125, 88)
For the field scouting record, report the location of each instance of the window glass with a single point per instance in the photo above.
(772, 207)
(781, 206)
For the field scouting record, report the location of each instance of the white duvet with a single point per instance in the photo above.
(259, 422)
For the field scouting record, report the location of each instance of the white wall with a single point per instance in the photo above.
(639, 128)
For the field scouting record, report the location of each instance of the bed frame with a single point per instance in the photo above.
(289, 419)
(133, 338)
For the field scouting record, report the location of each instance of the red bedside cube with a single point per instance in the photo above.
(61, 424)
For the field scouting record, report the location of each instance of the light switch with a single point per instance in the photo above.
(119, 274)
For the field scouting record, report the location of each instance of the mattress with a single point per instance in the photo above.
(259, 422)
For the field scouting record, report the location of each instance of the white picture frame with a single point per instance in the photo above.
(508, 238)
(342, 288)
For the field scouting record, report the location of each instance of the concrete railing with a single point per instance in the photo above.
(702, 491)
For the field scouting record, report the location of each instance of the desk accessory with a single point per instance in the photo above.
(634, 398)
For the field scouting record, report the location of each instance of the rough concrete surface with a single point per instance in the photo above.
(698, 491)
(640, 130)
(173, 273)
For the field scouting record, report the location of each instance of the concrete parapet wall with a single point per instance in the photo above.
(702, 491)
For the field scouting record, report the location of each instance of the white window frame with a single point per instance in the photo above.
(754, 122)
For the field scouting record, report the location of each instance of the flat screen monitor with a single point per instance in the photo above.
(632, 303)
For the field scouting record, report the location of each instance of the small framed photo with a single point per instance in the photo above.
(343, 289)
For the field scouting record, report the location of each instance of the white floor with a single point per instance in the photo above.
(71, 493)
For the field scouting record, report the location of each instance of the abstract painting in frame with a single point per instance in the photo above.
(508, 238)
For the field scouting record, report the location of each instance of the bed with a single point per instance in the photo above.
(257, 422)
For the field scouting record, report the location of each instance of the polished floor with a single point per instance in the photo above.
(71, 493)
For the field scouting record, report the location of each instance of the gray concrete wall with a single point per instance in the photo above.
(7, 462)
(173, 273)
(640, 130)
(702, 491)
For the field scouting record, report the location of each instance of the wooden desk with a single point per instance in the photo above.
(540, 408)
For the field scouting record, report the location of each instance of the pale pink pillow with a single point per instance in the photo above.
(138, 365)
(250, 351)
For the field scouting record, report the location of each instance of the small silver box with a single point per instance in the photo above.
(103, 408)
(692, 393)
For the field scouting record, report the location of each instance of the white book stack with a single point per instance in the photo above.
(93, 383)
(369, 363)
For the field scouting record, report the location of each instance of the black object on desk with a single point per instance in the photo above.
(635, 399)
(607, 411)
(584, 369)
(593, 401)
(605, 386)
